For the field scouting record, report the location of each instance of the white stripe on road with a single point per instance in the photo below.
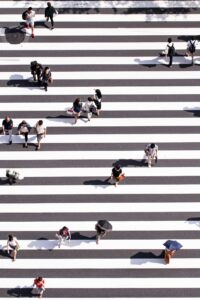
(101, 189)
(105, 172)
(107, 106)
(141, 207)
(105, 244)
(102, 263)
(158, 46)
(113, 31)
(136, 75)
(133, 60)
(102, 283)
(108, 138)
(103, 4)
(109, 18)
(107, 90)
(96, 155)
(110, 122)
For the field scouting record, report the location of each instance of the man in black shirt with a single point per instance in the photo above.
(49, 12)
(7, 126)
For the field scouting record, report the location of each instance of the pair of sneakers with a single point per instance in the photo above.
(27, 27)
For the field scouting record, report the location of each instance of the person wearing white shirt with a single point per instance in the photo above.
(30, 14)
(41, 131)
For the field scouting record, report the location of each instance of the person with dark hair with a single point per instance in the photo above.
(151, 152)
(191, 48)
(77, 107)
(24, 129)
(7, 126)
(12, 246)
(117, 174)
(97, 100)
(36, 71)
(40, 285)
(30, 14)
(100, 233)
(49, 13)
(63, 235)
(46, 77)
(41, 132)
(89, 107)
(13, 176)
(170, 51)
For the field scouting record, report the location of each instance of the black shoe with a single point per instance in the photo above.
(10, 143)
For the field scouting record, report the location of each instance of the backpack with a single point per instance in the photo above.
(24, 14)
(171, 50)
(192, 47)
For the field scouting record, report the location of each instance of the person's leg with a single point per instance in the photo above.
(10, 136)
(45, 86)
(52, 22)
(170, 60)
(97, 238)
(26, 139)
(32, 30)
(149, 161)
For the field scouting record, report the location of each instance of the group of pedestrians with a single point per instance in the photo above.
(24, 129)
(90, 107)
(29, 15)
(170, 50)
(42, 75)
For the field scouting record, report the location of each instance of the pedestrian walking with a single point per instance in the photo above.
(151, 153)
(117, 174)
(41, 132)
(97, 100)
(49, 14)
(12, 246)
(102, 227)
(46, 77)
(77, 107)
(171, 247)
(29, 17)
(24, 129)
(7, 126)
(13, 176)
(39, 283)
(89, 107)
(36, 71)
(63, 235)
(170, 51)
(191, 48)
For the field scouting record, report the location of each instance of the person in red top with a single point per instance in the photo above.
(39, 283)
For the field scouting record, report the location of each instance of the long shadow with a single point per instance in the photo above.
(21, 292)
(130, 162)
(22, 83)
(4, 181)
(102, 183)
(4, 252)
(195, 221)
(196, 113)
(144, 257)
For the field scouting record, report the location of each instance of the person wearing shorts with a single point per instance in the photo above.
(30, 14)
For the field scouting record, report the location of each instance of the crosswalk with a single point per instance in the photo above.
(113, 46)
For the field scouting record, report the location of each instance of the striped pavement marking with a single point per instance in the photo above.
(93, 155)
(109, 122)
(113, 207)
(108, 138)
(90, 244)
(92, 283)
(103, 4)
(89, 225)
(187, 17)
(96, 172)
(159, 75)
(113, 31)
(77, 60)
(128, 263)
(158, 46)
(108, 90)
(107, 106)
(157, 189)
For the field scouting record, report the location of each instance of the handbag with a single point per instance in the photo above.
(121, 177)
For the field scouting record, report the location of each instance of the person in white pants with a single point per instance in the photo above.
(151, 151)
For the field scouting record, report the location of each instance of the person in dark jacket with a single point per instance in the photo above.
(116, 174)
(46, 77)
(77, 107)
(36, 71)
(49, 12)
(7, 126)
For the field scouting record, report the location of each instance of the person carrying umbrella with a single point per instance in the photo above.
(171, 248)
(102, 227)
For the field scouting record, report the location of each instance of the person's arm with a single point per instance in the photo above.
(11, 124)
